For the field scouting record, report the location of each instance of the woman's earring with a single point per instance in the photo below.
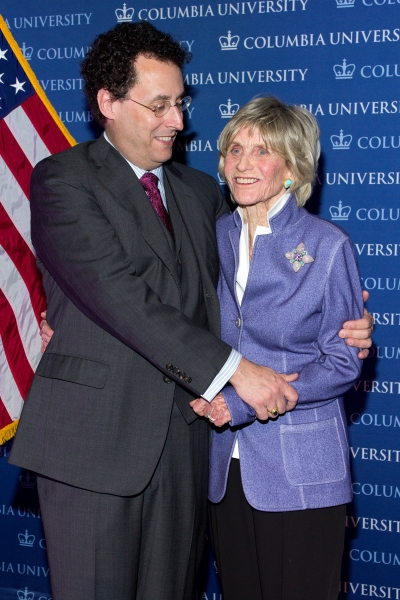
(287, 183)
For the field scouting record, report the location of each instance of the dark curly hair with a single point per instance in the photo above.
(109, 64)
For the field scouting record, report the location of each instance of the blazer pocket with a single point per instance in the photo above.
(73, 369)
(313, 453)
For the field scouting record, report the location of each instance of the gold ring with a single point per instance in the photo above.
(273, 411)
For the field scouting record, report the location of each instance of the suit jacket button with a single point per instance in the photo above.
(167, 379)
(188, 379)
(169, 367)
(176, 370)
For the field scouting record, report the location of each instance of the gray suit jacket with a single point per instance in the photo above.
(98, 410)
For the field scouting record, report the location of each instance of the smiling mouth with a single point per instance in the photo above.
(166, 138)
(245, 180)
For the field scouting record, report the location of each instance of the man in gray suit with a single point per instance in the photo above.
(121, 457)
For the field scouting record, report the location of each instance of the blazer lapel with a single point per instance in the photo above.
(232, 263)
(228, 246)
(118, 177)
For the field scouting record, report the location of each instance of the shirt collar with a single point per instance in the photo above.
(159, 171)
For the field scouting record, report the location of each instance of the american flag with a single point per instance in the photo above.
(30, 130)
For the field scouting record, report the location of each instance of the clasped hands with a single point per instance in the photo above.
(266, 391)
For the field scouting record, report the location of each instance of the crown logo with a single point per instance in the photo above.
(27, 480)
(124, 14)
(27, 51)
(344, 71)
(221, 180)
(25, 539)
(341, 142)
(340, 213)
(228, 110)
(345, 3)
(229, 42)
(25, 595)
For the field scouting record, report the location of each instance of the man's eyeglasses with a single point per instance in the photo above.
(160, 110)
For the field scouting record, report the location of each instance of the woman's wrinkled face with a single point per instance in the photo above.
(253, 171)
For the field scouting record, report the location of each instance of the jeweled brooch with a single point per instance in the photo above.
(299, 257)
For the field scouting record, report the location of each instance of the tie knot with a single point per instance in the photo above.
(149, 180)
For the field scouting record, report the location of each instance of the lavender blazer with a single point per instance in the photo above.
(289, 321)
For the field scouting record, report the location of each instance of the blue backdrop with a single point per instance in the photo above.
(339, 59)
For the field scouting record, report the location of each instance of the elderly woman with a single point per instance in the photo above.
(288, 279)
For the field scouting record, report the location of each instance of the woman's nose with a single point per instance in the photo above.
(244, 163)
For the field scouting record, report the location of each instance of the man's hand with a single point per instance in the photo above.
(266, 391)
(46, 332)
(216, 411)
(358, 333)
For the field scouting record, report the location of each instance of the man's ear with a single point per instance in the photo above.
(106, 102)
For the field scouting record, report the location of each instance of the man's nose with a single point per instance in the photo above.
(174, 118)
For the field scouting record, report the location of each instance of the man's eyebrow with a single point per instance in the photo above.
(166, 97)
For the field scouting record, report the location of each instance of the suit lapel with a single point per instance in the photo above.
(118, 177)
(195, 217)
(174, 214)
(201, 233)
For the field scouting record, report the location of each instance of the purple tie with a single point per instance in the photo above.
(150, 183)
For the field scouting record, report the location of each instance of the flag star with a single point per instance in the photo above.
(1, 75)
(19, 86)
(3, 54)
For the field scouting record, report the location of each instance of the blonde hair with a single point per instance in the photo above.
(290, 131)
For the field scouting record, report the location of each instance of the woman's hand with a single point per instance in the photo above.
(216, 411)
(46, 332)
(358, 333)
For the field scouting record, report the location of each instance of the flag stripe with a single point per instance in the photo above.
(18, 297)
(24, 261)
(9, 392)
(26, 135)
(4, 416)
(44, 124)
(14, 158)
(14, 202)
(13, 348)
